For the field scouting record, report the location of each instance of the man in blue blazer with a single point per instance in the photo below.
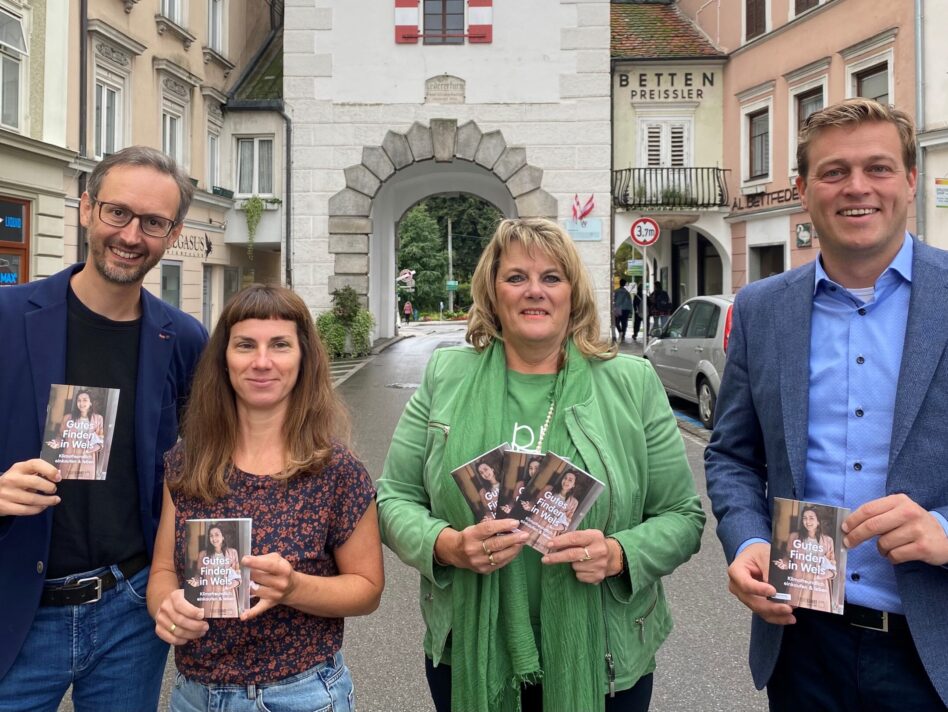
(836, 391)
(75, 554)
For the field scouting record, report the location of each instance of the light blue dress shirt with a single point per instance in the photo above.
(855, 356)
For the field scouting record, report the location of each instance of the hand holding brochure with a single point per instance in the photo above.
(547, 494)
(807, 559)
(215, 580)
(80, 423)
(557, 499)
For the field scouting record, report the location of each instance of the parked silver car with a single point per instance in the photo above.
(689, 352)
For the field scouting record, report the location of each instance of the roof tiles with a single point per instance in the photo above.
(656, 30)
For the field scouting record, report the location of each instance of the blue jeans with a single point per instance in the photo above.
(324, 688)
(107, 651)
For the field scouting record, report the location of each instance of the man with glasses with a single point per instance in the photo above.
(75, 554)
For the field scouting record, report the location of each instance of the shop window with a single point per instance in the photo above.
(14, 241)
(171, 282)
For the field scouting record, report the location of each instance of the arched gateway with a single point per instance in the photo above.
(425, 160)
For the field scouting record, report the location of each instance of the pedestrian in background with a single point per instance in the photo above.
(407, 311)
(621, 308)
(836, 390)
(507, 629)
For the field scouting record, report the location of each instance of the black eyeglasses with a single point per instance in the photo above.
(120, 216)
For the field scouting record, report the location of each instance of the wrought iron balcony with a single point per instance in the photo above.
(669, 188)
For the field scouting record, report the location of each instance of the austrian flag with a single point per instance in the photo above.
(580, 211)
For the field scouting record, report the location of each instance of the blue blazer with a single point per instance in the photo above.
(759, 444)
(33, 328)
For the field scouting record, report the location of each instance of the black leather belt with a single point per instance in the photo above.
(870, 618)
(91, 588)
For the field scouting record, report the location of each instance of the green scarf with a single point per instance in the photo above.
(493, 651)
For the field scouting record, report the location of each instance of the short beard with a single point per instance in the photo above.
(118, 276)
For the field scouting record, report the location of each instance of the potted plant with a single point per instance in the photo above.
(346, 329)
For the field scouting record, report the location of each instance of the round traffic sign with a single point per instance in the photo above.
(644, 232)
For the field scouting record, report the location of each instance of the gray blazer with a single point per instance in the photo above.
(758, 448)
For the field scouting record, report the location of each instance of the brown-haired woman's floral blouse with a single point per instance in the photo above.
(304, 520)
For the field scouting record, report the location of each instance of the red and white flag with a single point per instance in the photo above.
(581, 210)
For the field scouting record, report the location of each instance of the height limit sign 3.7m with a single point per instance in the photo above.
(644, 232)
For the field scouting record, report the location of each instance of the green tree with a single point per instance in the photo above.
(473, 221)
(421, 249)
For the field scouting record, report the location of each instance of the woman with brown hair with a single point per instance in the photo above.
(264, 438)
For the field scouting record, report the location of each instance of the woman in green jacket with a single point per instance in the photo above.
(575, 630)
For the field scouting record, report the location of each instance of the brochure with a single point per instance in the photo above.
(479, 482)
(215, 580)
(80, 423)
(557, 499)
(807, 558)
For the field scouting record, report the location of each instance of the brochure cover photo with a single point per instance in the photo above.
(80, 423)
(215, 580)
(519, 469)
(807, 558)
(557, 499)
(479, 481)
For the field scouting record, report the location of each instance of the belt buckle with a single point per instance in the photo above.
(98, 588)
(884, 628)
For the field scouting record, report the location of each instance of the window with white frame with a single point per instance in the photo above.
(255, 165)
(871, 77)
(215, 25)
(172, 130)
(213, 158)
(873, 83)
(12, 56)
(173, 10)
(804, 101)
(756, 144)
(108, 117)
(175, 113)
(755, 18)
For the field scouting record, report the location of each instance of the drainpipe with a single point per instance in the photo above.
(288, 195)
(612, 168)
(920, 118)
(83, 111)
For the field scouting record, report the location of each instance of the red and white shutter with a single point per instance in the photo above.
(480, 21)
(406, 22)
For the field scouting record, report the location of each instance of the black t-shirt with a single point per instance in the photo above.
(98, 523)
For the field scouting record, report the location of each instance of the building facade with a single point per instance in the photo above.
(398, 100)
(82, 80)
(786, 59)
(668, 162)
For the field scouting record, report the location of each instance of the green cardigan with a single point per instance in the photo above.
(627, 436)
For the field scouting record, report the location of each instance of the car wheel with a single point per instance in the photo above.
(706, 402)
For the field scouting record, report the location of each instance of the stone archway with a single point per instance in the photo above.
(441, 143)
